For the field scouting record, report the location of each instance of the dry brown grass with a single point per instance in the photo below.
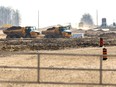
(57, 61)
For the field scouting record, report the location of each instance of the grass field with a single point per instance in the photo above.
(70, 76)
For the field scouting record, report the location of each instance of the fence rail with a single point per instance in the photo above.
(39, 68)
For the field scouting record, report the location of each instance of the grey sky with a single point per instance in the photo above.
(61, 11)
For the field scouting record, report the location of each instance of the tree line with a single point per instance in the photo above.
(9, 16)
(86, 20)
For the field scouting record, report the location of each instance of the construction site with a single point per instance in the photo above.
(16, 38)
(58, 56)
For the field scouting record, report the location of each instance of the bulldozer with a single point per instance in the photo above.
(24, 32)
(57, 32)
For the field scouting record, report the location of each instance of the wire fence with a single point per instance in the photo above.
(39, 68)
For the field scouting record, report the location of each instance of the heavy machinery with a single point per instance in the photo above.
(24, 32)
(58, 32)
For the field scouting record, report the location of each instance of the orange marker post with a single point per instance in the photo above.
(104, 54)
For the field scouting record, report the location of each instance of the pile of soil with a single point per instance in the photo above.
(52, 43)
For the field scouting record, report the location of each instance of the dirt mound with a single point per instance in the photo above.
(108, 35)
(52, 44)
(47, 44)
(14, 27)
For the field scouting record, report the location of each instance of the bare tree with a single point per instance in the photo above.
(2, 15)
(16, 18)
(9, 16)
(87, 19)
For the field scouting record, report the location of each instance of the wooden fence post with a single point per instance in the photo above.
(100, 70)
(38, 69)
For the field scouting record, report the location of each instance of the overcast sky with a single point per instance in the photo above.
(54, 12)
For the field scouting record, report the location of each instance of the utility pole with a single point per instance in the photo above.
(97, 18)
(38, 19)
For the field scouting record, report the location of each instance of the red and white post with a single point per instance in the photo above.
(101, 42)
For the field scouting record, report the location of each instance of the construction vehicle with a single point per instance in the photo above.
(24, 32)
(58, 32)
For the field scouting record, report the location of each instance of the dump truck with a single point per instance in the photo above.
(24, 32)
(57, 32)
